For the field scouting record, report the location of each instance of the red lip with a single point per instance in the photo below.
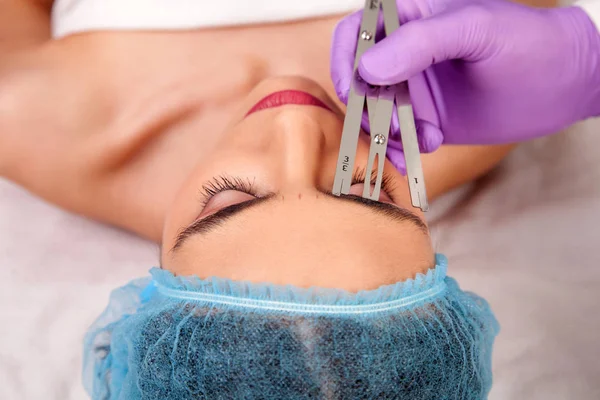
(285, 97)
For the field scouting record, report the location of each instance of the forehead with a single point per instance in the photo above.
(307, 242)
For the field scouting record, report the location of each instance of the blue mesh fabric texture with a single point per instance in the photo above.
(169, 337)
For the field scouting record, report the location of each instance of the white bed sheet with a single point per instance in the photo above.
(526, 238)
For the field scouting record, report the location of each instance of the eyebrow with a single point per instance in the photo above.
(213, 221)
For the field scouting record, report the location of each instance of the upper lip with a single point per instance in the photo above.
(285, 97)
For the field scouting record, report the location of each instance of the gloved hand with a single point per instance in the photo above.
(480, 71)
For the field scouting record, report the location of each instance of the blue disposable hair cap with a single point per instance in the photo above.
(182, 337)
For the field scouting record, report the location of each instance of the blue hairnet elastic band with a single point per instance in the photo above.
(277, 298)
(303, 308)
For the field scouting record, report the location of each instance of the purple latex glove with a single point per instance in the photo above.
(480, 71)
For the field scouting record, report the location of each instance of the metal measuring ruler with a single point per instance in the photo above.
(380, 111)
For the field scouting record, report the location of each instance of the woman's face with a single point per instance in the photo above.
(259, 207)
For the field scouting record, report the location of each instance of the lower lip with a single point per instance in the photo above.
(286, 97)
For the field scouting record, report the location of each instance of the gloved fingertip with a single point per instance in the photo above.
(343, 96)
(400, 166)
(342, 88)
(370, 69)
(395, 125)
(380, 65)
(430, 137)
(396, 157)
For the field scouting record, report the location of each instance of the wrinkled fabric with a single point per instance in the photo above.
(479, 71)
(173, 337)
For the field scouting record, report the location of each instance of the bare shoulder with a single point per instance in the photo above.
(16, 85)
(48, 113)
(28, 95)
(63, 136)
(24, 29)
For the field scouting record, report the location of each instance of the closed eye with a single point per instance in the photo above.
(223, 191)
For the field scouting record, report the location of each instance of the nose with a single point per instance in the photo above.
(302, 146)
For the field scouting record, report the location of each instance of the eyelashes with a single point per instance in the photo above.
(223, 183)
(387, 181)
